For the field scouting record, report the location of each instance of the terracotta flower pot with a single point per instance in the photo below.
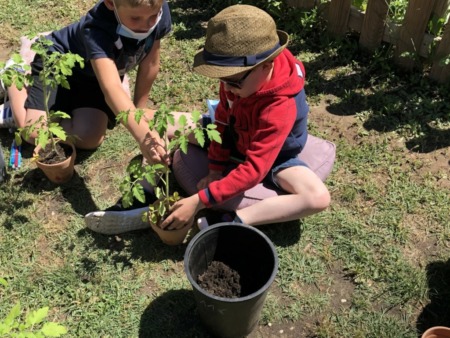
(169, 237)
(437, 332)
(61, 172)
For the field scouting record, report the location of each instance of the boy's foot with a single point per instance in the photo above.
(6, 118)
(117, 219)
(116, 222)
(217, 216)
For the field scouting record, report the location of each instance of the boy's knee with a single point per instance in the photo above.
(91, 143)
(321, 199)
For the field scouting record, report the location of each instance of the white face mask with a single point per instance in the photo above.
(124, 31)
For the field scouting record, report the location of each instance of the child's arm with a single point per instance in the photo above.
(118, 100)
(146, 75)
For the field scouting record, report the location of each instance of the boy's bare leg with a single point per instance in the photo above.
(307, 195)
(89, 125)
(17, 100)
(22, 116)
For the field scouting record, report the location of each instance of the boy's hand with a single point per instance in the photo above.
(183, 213)
(213, 175)
(153, 150)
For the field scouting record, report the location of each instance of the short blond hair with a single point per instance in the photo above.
(136, 3)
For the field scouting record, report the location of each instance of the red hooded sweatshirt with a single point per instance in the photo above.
(269, 125)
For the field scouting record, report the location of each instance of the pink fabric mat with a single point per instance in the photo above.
(189, 169)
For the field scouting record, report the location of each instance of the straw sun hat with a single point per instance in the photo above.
(238, 39)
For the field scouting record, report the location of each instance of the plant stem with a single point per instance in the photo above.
(166, 183)
(46, 94)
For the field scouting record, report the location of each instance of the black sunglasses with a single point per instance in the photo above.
(238, 83)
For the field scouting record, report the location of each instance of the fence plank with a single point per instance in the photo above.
(413, 29)
(438, 72)
(373, 26)
(304, 4)
(440, 7)
(338, 13)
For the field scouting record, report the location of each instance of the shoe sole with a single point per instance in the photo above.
(116, 222)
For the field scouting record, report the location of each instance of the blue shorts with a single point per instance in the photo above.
(280, 165)
(83, 93)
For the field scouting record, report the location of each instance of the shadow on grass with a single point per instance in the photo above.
(145, 245)
(142, 245)
(12, 201)
(392, 100)
(75, 191)
(437, 312)
(283, 234)
(173, 314)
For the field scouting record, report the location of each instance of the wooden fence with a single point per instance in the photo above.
(374, 26)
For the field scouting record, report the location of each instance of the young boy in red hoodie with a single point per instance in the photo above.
(262, 118)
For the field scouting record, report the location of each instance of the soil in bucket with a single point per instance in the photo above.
(220, 280)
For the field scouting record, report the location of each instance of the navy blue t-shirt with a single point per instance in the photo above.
(94, 36)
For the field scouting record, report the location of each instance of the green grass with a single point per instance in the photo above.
(375, 264)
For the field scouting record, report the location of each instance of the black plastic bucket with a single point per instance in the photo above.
(244, 249)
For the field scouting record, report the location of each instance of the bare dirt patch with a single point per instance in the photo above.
(5, 50)
(337, 127)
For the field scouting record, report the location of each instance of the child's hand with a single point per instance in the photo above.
(182, 213)
(153, 150)
(213, 175)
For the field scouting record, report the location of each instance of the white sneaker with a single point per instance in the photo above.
(6, 117)
(116, 222)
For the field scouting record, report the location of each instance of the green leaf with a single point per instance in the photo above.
(171, 119)
(200, 137)
(17, 58)
(162, 209)
(43, 137)
(214, 135)
(4, 329)
(3, 282)
(127, 199)
(138, 193)
(58, 131)
(13, 314)
(36, 317)
(17, 137)
(150, 178)
(59, 114)
(52, 329)
(182, 121)
(122, 116)
(138, 115)
(184, 144)
(158, 192)
(196, 115)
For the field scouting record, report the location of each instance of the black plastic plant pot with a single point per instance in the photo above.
(244, 249)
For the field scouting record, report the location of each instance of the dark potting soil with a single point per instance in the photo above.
(220, 280)
(50, 156)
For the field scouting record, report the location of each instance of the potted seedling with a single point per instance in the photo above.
(54, 152)
(158, 175)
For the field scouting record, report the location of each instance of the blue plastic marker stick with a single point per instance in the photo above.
(15, 160)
